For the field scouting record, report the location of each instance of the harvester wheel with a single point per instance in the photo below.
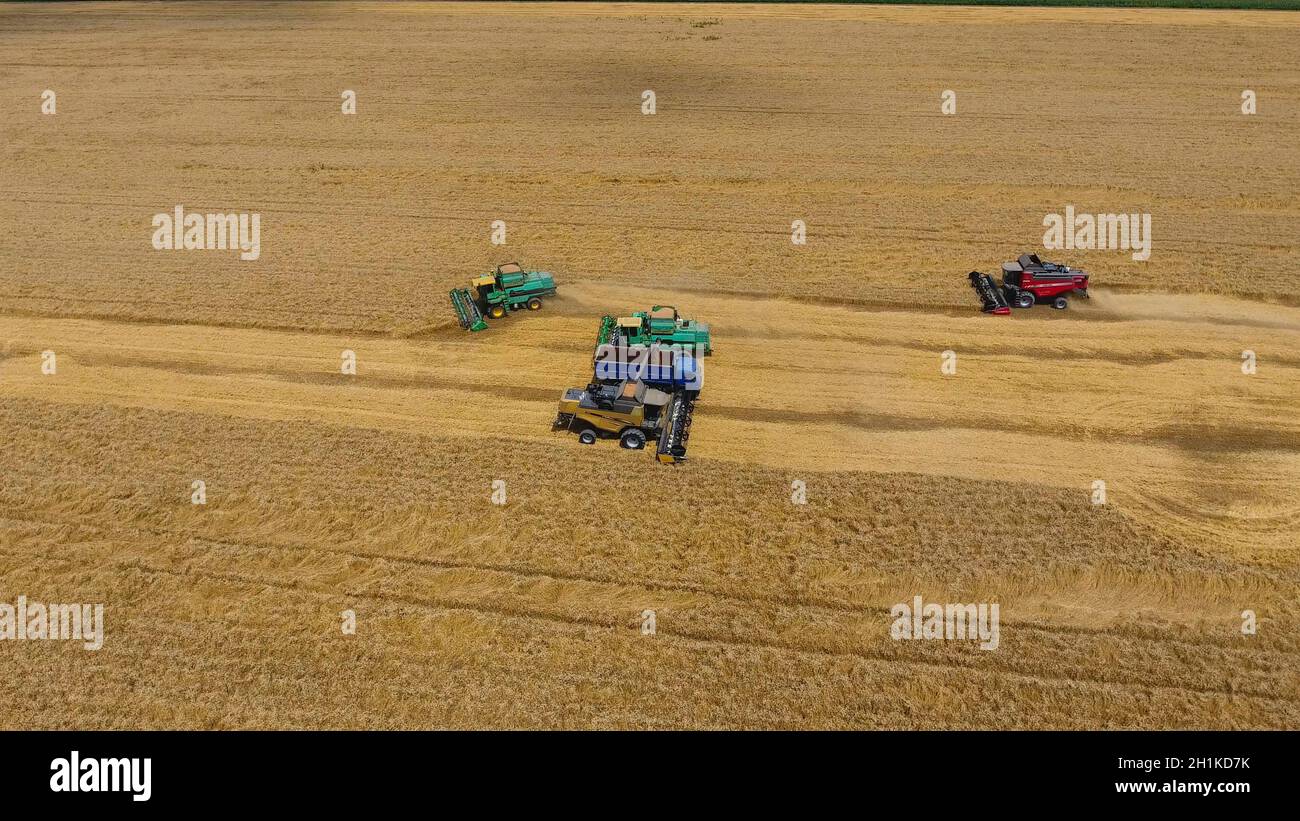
(1060, 303)
(1025, 299)
(534, 304)
(632, 439)
(497, 311)
(587, 437)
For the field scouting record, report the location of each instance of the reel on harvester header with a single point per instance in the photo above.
(508, 288)
(467, 310)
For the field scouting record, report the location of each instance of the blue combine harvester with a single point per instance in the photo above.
(671, 366)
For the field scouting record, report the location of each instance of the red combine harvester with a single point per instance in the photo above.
(1027, 281)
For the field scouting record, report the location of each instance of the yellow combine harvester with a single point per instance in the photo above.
(632, 411)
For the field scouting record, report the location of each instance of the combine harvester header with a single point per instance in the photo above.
(676, 428)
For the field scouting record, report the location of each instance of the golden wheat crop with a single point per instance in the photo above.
(372, 493)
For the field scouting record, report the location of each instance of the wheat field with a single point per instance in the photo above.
(372, 492)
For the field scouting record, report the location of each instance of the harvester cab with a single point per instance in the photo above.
(629, 327)
(507, 288)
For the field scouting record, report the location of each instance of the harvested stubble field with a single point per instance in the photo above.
(372, 492)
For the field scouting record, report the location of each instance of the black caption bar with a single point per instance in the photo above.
(145, 771)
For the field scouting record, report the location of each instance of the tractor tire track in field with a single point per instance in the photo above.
(706, 637)
(1232, 438)
(709, 640)
(649, 587)
(400, 375)
(707, 633)
(630, 215)
(711, 225)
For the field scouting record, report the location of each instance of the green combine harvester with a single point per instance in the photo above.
(508, 288)
(661, 324)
